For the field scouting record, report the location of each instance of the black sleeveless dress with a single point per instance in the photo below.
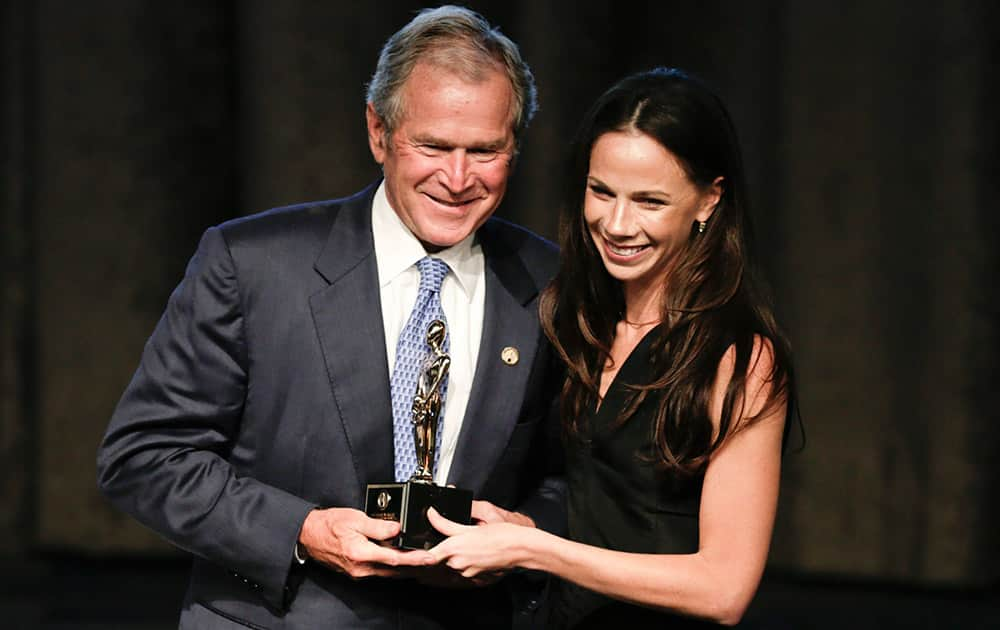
(619, 500)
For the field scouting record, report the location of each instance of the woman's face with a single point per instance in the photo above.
(640, 205)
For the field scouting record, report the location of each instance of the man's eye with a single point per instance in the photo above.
(483, 155)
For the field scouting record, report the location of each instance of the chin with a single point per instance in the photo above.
(442, 239)
(621, 275)
(444, 234)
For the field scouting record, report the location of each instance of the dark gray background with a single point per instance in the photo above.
(870, 134)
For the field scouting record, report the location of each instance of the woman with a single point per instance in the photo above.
(678, 387)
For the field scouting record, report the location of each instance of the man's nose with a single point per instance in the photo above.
(456, 170)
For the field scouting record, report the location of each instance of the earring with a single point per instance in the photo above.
(701, 226)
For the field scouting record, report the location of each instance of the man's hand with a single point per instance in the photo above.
(345, 540)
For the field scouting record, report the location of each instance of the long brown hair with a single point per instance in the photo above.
(715, 299)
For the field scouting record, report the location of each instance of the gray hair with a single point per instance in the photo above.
(461, 41)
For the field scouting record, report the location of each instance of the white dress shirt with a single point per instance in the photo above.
(463, 299)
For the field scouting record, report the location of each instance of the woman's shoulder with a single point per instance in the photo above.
(757, 352)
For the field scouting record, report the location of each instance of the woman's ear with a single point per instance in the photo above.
(711, 198)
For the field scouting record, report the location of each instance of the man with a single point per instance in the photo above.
(264, 402)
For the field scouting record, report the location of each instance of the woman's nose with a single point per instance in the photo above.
(619, 219)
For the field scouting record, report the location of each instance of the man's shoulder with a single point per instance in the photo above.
(503, 238)
(504, 235)
(311, 219)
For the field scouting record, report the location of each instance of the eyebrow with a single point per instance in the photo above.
(494, 145)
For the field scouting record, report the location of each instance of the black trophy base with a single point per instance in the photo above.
(408, 502)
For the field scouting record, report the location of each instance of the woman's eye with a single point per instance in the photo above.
(652, 203)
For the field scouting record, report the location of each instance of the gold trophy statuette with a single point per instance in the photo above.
(427, 403)
(408, 502)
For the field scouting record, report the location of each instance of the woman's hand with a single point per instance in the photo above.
(474, 550)
(484, 512)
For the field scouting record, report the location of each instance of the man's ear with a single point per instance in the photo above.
(377, 137)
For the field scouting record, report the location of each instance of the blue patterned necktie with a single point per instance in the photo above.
(411, 352)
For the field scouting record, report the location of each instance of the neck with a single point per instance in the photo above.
(431, 248)
(642, 305)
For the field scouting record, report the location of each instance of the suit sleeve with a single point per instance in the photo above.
(164, 456)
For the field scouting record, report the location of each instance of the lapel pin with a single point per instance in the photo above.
(509, 355)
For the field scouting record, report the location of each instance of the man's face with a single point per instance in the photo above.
(447, 162)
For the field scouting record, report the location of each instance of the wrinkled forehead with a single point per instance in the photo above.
(473, 71)
(445, 109)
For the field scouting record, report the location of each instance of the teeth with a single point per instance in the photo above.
(624, 251)
(453, 204)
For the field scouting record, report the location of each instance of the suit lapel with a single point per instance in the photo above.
(510, 320)
(348, 319)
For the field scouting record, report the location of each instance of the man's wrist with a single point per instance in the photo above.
(300, 553)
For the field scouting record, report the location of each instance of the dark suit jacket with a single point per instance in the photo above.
(264, 393)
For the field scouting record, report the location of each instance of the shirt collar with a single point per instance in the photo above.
(397, 249)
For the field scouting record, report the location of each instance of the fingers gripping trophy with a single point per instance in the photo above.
(408, 502)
